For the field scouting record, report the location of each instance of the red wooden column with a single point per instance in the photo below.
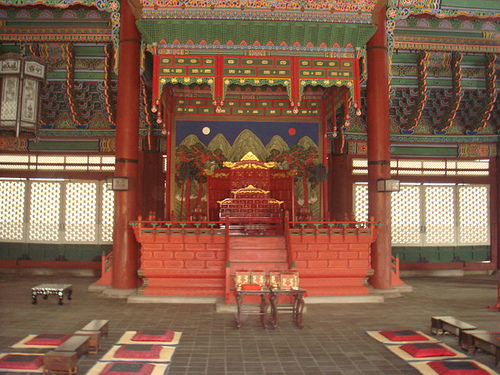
(378, 150)
(125, 254)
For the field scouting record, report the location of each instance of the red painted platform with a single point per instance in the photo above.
(200, 258)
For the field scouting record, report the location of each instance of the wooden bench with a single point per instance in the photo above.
(467, 341)
(78, 344)
(64, 358)
(487, 342)
(95, 339)
(97, 325)
(444, 324)
(54, 361)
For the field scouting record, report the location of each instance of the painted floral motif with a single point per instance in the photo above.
(336, 5)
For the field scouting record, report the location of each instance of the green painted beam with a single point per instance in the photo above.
(86, 75)
(83, 145)
(436, 83)
(424, 151)
(439, 33)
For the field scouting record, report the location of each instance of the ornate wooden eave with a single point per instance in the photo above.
(416, 111)
(243, 34)
(268, 25)
(465, 45)
(55, 34)
(49, 21)
(456, 93)
(490, 95)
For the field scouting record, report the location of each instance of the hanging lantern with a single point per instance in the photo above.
(21, 83)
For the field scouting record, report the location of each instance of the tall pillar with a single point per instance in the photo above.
(125, 253)
(379, 155)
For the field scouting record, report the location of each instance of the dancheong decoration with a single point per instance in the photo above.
(294, 73)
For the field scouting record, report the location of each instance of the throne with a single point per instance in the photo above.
(250, 210)
(250, 190)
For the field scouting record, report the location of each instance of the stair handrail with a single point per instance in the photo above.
(288, 246)
(106, 269)
(228, 262)
(106, 262)
(497, 306)
(395, 265)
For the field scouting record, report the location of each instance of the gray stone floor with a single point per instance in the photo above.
(334, 340)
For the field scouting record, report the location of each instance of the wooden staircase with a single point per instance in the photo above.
(253, 253)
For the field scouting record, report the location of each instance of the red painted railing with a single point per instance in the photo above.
(227, 242)
(395, 279)
(162, 228)
(497, 306)
(216, 227)
(106, 270)
(289, 257)
(366, 229)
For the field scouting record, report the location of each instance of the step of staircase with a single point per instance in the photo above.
(257, 242)
(264, 266)
(265, 253)
(180, 286)
(258, 255)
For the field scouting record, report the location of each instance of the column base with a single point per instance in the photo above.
(118, 293)
(387, 293)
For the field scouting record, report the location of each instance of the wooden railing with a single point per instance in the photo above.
(395, 265)
(106, 270)
(156, 228)
(497, 306)
(395, 279)
(228, 246)
(286, 227)
(334, 228)
(290, 228)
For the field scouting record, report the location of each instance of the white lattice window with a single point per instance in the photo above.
(434, 215)
(34, 211)
(473, 214)
(81, 212)
(418, 167)
(107, 212)
(44, 216)
(440, 215)
(57, 162)
(406, 215)
(361, 202)
(12, 210)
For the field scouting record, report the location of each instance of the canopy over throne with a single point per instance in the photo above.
(249, 171)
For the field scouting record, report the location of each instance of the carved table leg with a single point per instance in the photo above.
(264, 304)
(274, 310)
(298, 308)
(238, 314)
(60, 295)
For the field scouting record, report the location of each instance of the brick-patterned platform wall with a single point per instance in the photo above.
(332, 265)
(189, 265)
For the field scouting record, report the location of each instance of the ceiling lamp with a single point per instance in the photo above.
(21, 81)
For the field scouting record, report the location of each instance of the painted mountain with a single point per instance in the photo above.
(246, 141)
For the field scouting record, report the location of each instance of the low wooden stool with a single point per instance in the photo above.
(54, 361)
(97, 325)
(95, 339)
